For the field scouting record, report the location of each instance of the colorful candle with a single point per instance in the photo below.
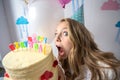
(33, 42)
(26, 44)
(41, 38)
(29, 39)
(38, 38)
(30, 44)
(35, 46)
(12, 47)
(40, 48)
(22, 45)
(44, 48)
(45, 40)
(34, 38)
(16, 45)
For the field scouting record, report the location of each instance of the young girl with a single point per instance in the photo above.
(79, 55)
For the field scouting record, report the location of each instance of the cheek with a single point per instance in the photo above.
(68, 46)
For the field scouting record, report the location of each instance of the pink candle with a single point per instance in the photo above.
(40, 48)
(30, 44)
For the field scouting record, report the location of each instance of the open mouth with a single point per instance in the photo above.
(60, 50)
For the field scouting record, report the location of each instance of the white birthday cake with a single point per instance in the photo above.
(27, 63)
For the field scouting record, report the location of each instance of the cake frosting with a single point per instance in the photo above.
(30, 64)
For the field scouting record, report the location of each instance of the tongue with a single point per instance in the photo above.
(61, 52)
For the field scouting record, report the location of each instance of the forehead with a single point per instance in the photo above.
(62, 25)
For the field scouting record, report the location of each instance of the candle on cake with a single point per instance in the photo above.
(36, 43)
(26, 62)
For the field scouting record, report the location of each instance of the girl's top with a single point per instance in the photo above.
(87, 72)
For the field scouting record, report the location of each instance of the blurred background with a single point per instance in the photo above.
(99, 16)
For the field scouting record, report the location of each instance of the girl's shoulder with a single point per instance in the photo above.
(87, 74)
(105, 70)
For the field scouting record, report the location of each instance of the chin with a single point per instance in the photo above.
(62, 57)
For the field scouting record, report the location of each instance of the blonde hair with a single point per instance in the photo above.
(85, 52)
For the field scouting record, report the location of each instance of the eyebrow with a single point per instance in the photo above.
(62, 29)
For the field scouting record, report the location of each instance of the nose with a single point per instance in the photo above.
(57, 38)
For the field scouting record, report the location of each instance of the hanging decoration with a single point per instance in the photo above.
(118, 33)
(40, 12)
(22, 23)
(26, 1)
(29, 2)
(78, 10)
(26, 7)
(64, 2)
(111, 5)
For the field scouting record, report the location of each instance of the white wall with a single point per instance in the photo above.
(101, 23)
(8, 32)
(47, 14)
(10, 19)
(42, 16)
(4, 33)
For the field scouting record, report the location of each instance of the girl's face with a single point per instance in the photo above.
(62, 40)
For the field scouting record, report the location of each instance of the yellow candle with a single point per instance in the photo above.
(16, 45)
(41, 38)
(44, 48)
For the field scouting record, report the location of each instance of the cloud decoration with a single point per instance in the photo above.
(111, 5)
(117, 39)
(22, 20)
(118, 24)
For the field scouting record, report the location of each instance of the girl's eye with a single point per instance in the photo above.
(65, 33)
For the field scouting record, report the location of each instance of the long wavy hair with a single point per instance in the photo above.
(85, 52)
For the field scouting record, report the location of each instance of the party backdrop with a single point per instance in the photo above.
(101, 18)
(22, 18)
